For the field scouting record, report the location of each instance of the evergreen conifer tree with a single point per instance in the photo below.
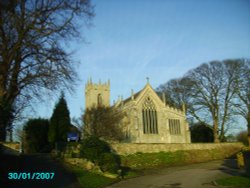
(59, 122)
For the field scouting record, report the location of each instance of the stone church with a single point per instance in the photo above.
(148, 119)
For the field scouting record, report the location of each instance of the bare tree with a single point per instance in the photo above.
(243, 84)
(173, 91)
(208, 92)
(32, 57)
(103, 122)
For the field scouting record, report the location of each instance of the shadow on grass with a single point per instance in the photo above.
(127, 173)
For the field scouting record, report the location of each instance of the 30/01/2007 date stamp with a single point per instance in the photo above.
(31, 175)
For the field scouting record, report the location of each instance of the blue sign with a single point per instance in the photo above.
(73, 137)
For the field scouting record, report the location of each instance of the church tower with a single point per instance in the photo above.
(97, 94)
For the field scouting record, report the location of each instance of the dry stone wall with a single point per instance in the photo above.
(131, 148)
(11, 145)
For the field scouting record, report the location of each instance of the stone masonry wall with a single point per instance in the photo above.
(12, 145)
(130, 148)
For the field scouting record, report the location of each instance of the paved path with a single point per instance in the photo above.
(12, 162)
(191, 176)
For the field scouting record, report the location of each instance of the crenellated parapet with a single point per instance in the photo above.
(97, 94)
(103, 86)
(176, 110)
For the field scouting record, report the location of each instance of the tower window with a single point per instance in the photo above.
(149, 117)
(99, 100)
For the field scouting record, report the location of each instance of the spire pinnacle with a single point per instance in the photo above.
(184, 108)
(132, 94)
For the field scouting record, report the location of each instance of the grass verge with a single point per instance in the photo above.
(91, 180)
(235, 181)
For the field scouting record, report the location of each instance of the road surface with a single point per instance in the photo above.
(191, 176)
(11, 161)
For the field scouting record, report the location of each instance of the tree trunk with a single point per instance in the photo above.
(2, 132)
(222, 134)
(248, 140)
(215, 131)
(6, 117)
(248, 128)
(2, 125)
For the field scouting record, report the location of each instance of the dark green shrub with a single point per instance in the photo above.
(99, 152)
(109, 162)
(61, 146)
(74, 155)
(201, 133)
(36, 136)
(92, 148)
(242, 137)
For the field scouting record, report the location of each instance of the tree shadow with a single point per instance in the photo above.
(230, 166)
(36, 163)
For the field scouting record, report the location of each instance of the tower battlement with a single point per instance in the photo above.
(97, 94)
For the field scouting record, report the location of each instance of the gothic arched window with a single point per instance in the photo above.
(149, 117)
(174, 126)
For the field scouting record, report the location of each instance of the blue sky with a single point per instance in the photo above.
(160, 39)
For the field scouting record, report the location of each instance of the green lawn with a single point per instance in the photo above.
(235, 181)
(91, 180)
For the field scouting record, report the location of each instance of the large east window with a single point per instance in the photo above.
(149, 117)
(174, 126)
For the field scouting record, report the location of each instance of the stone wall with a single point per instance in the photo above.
(11, 145)
(130, 148)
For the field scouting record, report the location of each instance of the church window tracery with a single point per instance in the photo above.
(149, 117)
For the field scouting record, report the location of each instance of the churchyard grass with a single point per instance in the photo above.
(235, 181)
(89, 179)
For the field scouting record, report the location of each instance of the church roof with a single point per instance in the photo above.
(135, 96)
